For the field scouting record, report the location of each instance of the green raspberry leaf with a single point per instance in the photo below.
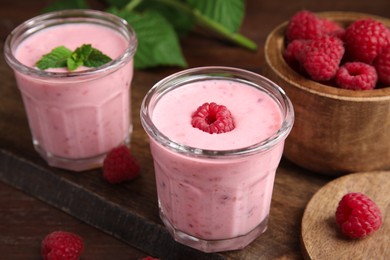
(229, 13)
(117, 3)
(57, 58)
(181, 21)
(158, 43)
(66, 4)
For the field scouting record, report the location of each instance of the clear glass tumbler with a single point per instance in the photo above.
(75, 117)
(215, 190)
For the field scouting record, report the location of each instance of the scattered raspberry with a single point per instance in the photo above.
(61, 245)
(213, 118)
(149, 258)
(357, 215)
(356, 76)
(304, 25)
(321, 57)
(382, 65)
(365, 39)
(120, 165)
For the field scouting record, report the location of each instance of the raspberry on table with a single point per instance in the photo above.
(382, 66)
(321, 57)
(356, 76)
(365, 39)
(120, 165)
(213, 118)
(357, 215)
(61, 245)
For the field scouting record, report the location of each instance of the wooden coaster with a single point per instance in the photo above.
(321, 237)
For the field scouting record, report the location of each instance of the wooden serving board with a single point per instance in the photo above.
(321, 238)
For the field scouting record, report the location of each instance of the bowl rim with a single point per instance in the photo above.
(274, 59)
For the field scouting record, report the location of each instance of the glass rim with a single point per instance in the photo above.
(204, 73)
(62, 17)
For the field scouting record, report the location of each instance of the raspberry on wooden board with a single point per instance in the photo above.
(357, 215)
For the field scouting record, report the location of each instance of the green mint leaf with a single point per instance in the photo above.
(66, 4)
(158, 43)
(228, 13)
(87, 56)
(84, 55)
(73, 63)
(96, 58)
(57, 58)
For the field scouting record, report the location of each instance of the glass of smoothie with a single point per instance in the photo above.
(75, 116)
(216, 136)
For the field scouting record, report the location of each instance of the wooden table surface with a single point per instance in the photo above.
(27, 213)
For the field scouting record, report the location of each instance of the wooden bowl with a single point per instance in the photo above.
(336, 131)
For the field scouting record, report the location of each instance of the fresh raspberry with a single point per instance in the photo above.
(365, 39)
(357, 215)
(321, 57)
(292, 51)
(120, 165)
(61, 245)
(382, 66)
(213, 118)
(331, 28)
(304, 25)
(356, 76)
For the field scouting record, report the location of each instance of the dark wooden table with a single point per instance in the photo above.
(121, 221)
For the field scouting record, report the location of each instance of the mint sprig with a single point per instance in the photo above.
(62, 57)
(55, 59)
(160, 24)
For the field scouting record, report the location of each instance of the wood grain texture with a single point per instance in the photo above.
(82, 202)
(101, 206)
(322, 239)
(334, 128)
(25, 221)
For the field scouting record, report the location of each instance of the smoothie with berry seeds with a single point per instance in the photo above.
(216, 137)
(76, 115)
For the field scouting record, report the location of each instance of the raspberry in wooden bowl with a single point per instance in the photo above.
(339, 127)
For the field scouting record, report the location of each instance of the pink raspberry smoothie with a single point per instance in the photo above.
(76, 116)
(216, 198)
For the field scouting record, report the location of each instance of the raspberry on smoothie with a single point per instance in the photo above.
(357, 215)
